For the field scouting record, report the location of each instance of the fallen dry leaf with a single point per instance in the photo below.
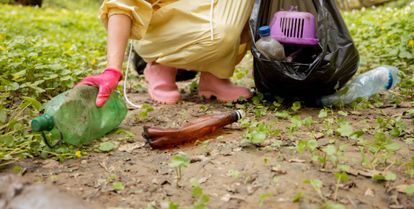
(401, 188)
(131, 147)
(227, 197)
(296, 161)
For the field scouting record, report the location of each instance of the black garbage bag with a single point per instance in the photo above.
(322, 68)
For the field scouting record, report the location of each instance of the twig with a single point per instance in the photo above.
(7, 163)
(352, 202)
(336, 189)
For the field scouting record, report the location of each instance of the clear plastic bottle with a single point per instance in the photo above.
(75, 116)
(365, 85)
(268, 46)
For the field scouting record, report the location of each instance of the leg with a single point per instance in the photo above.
(229, 25)
(222, 89)
(161, 83)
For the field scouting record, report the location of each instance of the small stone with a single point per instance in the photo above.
(199, 158)
(155, 181)
(278, 170)
(226, 197)
(251, 189)
(282, 199)
(203, 180)
(233, 188)
(49, 163)
(369, 192)
(356, 113)
(405, 105)
(237, 149)
(319, 135)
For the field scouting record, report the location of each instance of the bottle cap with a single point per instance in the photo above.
(43, 123)
(240, 114)
(264, 31)
(393, 78)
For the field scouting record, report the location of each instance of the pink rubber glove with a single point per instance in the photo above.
(107, 82)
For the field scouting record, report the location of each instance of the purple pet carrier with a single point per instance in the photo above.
(293, 27)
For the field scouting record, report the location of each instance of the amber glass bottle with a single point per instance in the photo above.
(160, 138)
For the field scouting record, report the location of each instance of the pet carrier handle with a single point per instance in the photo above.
(293, 8)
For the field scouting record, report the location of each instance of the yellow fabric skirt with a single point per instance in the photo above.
(188, 34)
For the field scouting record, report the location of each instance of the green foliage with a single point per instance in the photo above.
(144, 111)
(409, 166)
(233, 173)
(385, 35)
(295, 123)
(82, 5)
(107, 146)
(179, 161)
(303, 145)
(258, 132)
(331, 205)
(345, 129)
(263, 197)
(297, 197)
(395, 126)
(53, 54)
(296, 106)
(382, 143)
(316, 185)
(342, 177)
(43, 52)
(173, 205)
(118, 186)
(410, 190)
(323, 113)
(201, 198)
(380, 177)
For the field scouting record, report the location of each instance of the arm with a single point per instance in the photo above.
(119, 30)
(123, 22)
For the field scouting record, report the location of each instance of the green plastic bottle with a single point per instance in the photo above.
(75, 115)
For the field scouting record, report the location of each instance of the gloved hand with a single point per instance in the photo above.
(107, 82)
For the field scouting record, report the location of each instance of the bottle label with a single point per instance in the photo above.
(390, 80)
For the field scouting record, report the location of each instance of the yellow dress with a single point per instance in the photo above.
(201, 35)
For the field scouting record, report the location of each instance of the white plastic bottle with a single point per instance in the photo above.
(365, 85)
(268, 46)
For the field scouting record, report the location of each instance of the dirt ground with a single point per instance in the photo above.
(231, 174)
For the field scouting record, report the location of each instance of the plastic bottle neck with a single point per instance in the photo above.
(43, 123)
(264, 35)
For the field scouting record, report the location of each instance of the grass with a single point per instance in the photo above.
(81, 5)
(45, 51)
